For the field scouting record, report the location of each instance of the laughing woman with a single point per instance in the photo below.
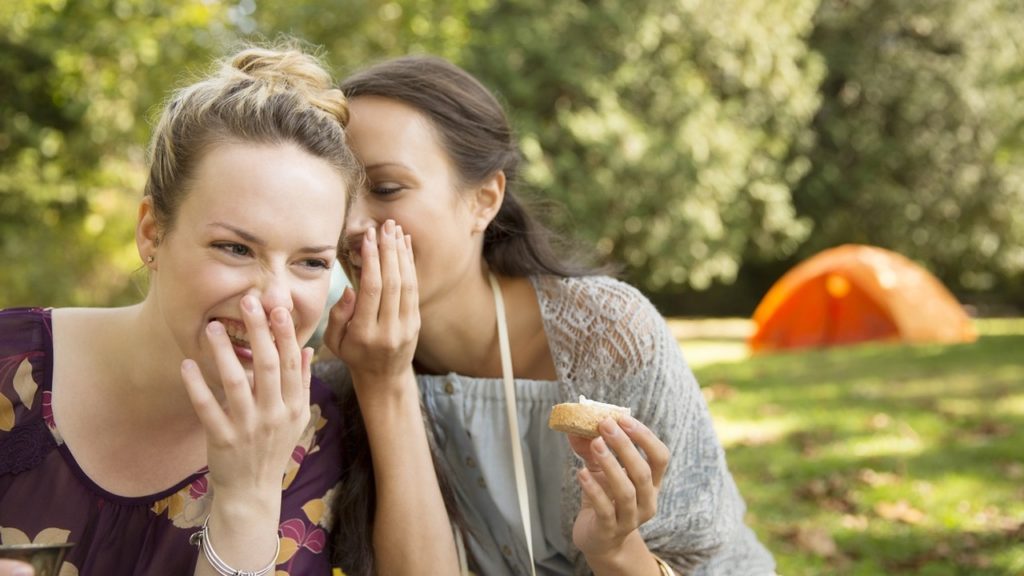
(184, 434)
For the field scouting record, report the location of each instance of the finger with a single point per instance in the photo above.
(391, 279)
(656, 451)
(598, 500)
(581, 446)
(266, 362)
(617, 483)
(290, 357)
(233, 379)
(337, 322)
(307, 369)
(209, 411)
(368, 300)
(637, 468)
(409, 308)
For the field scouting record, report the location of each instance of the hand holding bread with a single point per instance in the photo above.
(624, 465)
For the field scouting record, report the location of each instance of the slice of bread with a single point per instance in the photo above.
(581, 418)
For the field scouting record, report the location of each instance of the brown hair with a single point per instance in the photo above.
(260, 95)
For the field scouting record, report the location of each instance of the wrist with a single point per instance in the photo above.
(234, 510)
(390, 388)
(631, 557)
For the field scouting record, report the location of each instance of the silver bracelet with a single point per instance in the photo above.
(202, 539)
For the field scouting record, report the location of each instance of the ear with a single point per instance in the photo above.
(147, 233)
(487, 199)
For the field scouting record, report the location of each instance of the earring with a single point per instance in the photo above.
(149, 259)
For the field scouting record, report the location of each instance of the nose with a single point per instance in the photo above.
(358, 218)
(274, 291)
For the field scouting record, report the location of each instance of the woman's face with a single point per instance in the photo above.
(413, 182)
(259, 219)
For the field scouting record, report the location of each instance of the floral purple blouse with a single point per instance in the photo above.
(46, 497)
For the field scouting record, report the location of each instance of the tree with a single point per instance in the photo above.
(920, 136)
(669, 130)
(83, 76)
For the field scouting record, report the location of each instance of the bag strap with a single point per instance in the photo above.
(513, 418)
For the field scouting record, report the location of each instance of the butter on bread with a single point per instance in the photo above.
(581, 418)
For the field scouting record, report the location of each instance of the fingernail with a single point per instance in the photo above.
(249, 303)
(398, 232)
(189, 365)
(215, 327)
(389, 227)
(347, 295)
(609, 427)
(371, 235)
(599, 447)
(21, 571)
(408, 241)
(279, 316)
(628, 423)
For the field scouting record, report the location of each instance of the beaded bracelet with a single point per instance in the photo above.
(202, 539)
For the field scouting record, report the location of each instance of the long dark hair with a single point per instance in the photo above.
(474, 131)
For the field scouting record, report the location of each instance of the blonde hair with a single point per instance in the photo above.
(259, 95)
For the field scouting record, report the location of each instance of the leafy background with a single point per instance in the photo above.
(703, 145)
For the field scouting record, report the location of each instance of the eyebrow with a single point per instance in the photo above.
(369, 167)
(251, 238)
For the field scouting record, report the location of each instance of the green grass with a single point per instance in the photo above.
(877, 459)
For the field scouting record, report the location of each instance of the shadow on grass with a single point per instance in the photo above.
(880, 459)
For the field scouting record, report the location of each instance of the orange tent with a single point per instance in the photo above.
(856, 293)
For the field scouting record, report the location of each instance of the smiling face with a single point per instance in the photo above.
(260, 219)
(413, 182)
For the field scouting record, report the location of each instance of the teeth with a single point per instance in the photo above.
(236, 332)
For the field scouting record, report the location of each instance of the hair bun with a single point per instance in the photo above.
(290, 69)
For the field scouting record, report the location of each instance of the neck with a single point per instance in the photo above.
(458, 331)
(150, 383)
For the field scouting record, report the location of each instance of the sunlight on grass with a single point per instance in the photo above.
(753, 432)
(876, 459)
(705, 352)
(878, 446)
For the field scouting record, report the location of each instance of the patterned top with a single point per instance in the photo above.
(609, 343)
(45, 497)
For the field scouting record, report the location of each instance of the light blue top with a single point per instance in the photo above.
(471, 429)
(610, 344)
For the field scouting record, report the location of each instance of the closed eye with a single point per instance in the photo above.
(386, 189)
(233, 248)
(317, 263)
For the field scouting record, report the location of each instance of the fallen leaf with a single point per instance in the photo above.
(900, 511)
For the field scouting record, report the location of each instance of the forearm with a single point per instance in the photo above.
(411, 531)
(243, 532)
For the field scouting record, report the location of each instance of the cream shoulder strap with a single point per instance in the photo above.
(513, 418)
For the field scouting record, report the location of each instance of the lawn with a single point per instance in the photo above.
(874, 459)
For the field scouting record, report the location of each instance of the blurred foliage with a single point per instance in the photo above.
(666, 128)
(920, 136)
(689, 140)
(79, 79)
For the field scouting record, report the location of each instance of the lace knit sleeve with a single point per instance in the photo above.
(610, 343)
